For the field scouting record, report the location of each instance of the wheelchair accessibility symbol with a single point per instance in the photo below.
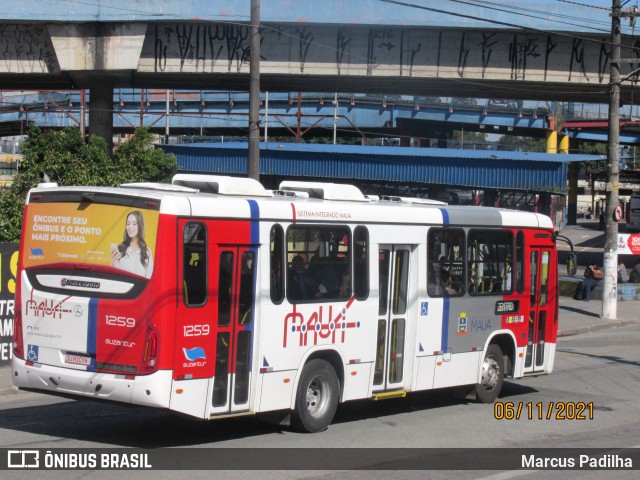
(32, 353)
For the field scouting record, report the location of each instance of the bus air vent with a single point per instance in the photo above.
(411, 200)
(164, 187)
(326, 191)
(222, 185)
(290, 194)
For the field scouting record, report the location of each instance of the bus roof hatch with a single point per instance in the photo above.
(222, 185)
(327, 191)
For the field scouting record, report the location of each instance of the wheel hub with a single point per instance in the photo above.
(490, 373)
(317, 399)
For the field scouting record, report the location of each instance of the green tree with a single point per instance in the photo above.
(522, 144)
(475, 140)
(595, 167)
(137, 160)
(64, 158)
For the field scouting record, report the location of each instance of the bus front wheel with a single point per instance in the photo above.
(492, 375)
(316, 397)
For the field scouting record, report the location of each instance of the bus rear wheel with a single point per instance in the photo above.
(492, 375)
(316, 397)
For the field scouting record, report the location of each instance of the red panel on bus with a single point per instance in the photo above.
(121, 328)
(197, 326)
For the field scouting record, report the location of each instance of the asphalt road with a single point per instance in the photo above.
(599, 369)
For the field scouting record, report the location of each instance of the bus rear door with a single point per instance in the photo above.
(234, 329)
(214, 330)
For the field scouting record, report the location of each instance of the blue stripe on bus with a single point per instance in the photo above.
(255, 240)
(444, 345)
(255, 224)
(444, 340)
(445, 216)
(92, 331)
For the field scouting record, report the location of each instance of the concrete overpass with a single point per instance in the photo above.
(533, 50)
(352, 45)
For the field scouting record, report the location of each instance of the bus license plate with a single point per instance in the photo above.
(77, 359)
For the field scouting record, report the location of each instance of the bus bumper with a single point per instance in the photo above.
(152, 390)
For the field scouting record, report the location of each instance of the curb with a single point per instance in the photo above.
(9, 391)
(593, 328)
(6, 388)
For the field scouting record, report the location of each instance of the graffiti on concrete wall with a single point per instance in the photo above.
(378, 51)
(353, 50)
(26, 48)
(344, 39)
(200, 48)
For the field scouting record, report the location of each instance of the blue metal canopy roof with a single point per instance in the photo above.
(351, 163)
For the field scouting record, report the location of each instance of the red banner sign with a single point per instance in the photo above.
(629, 244)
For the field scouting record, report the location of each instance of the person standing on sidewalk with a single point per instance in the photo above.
(592, 275)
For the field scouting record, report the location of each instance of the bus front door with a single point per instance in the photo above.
(392, 317)
(541, 308)
(234, 329)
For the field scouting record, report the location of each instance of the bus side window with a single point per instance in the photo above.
(225, 287)
(520, 261)
(445, 265)
(247, 287)
(277, 272)
(490, 262)
(194, 264)
(318, 263)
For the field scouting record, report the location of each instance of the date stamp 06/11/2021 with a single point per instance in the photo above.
(543, 410)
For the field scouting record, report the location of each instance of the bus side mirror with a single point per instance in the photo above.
(572, 264)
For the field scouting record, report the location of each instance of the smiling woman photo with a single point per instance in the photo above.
(133, 254)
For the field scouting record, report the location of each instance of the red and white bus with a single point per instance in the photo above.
(214, 297)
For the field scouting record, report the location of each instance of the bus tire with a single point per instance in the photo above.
(492, 375)
(316, 397)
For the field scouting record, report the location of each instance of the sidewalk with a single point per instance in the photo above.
(578, 317)
(588, 243)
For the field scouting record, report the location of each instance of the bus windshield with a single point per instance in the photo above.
(122, 237)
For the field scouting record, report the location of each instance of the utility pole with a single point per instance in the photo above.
(253, 163)
(610, 267)
(166, 120)
(335, 118)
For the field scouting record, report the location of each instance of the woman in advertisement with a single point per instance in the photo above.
(132, 254)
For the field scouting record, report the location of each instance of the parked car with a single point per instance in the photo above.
(463, 102)
(428, 100)
(502, 102)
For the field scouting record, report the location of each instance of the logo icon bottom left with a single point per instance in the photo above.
(23, 459)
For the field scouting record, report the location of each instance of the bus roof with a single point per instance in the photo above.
(343, 205)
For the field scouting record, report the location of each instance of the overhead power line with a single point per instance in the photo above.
(585, 5)
(536, 14)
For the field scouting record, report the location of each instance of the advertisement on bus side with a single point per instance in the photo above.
(8, 272)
